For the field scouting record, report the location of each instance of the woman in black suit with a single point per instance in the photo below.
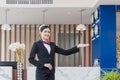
(45, 51)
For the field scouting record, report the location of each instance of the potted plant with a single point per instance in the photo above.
(18, 49)
(114, 74)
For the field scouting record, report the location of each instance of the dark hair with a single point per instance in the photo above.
(43, 27)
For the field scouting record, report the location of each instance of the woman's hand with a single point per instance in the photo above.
(82, 45)
(48, 65)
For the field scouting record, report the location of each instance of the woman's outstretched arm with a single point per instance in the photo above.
(69, 51)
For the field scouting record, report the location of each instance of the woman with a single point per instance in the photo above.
(45, 51)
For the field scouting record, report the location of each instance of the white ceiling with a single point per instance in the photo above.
(54, 15)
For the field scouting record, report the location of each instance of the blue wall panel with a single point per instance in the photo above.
(96, 49)
(104, 47)
(108, 36)
(118, 7)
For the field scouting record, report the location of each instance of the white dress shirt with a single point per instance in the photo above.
(47, 47)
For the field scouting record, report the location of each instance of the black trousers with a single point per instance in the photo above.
(44, 74)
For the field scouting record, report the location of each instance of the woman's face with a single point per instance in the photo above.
(45, 34)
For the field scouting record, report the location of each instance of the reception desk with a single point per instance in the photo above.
(6, 73)
(70, 73)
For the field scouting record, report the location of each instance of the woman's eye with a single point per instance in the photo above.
(48, 31)
(45, 31)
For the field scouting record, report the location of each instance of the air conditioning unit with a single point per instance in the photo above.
(26, 3)
(29, 1)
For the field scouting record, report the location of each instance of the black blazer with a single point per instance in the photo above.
(45, 57)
